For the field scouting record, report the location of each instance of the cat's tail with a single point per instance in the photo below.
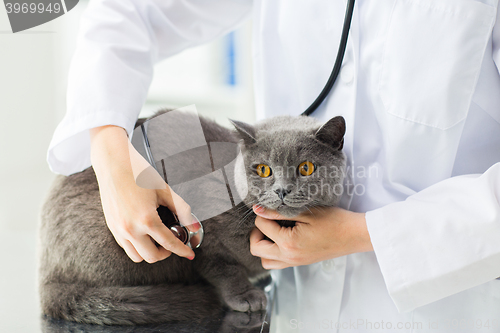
(129, 305)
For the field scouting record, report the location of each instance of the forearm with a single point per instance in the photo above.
(109, 152)
(114, 158)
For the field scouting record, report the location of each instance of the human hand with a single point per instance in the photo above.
(323, 233)
(130, 210)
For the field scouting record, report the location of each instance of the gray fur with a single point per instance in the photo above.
(85, 276)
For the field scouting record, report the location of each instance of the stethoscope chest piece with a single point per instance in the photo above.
(191, 234)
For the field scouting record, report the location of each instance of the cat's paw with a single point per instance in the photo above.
(251, 300)
(245, 322)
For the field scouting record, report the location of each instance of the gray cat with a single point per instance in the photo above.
(291, 164)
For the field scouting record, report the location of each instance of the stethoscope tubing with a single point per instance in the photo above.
(338, 61)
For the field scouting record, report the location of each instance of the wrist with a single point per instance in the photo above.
(360, 236)
(357, 236)
(109, 153)
(115, 160)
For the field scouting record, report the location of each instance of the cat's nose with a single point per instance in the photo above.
(281, 192)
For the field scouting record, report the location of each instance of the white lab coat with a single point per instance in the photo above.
(420, 92)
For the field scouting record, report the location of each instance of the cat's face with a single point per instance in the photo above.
(293, 163)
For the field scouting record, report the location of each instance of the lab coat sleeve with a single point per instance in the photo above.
(117, 46)
(440, 241)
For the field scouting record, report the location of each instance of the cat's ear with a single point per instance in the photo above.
(246, 131)
(332, 133)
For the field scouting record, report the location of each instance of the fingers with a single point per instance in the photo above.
(267, 213)
(130, 251)
(274, 264)
(148, 250)
(269, 228)
(142, 247)
(256, 236)
(261, 247)
(165, 238)
(278, 253)
(138, 242)
(176, 204)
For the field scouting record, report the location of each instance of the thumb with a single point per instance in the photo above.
(274, 215)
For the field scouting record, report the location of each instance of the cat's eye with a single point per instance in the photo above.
(306, 168)
(263, 170)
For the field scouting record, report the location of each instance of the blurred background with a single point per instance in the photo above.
(216, 77)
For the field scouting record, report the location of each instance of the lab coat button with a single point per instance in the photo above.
(347, 73)
(327, 265)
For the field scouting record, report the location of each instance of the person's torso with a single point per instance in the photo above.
(421, 97)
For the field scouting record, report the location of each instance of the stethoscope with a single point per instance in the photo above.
(193, 236)
(190, 234)
(338, 62)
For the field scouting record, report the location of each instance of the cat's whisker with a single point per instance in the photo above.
(248, 214)
(243, 220)
(243, 207)
(309, 210)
